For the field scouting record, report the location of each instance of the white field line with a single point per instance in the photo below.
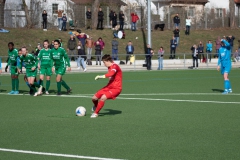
(145, 99)
(54, 154)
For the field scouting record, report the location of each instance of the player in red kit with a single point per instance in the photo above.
(112, 89)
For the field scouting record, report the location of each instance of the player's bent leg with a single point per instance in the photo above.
(99, 106)
(95, 102)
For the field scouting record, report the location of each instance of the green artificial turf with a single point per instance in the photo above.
(178, 114)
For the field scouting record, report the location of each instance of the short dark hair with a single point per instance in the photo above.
(10, 43)
(20, 49)
(46, 41)
(57, 41)
(107, 57)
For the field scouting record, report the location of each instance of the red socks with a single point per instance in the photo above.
(99, 106)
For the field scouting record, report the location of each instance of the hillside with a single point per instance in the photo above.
(30, 38)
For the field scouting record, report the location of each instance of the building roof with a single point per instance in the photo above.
(203, 2)
(119, 2)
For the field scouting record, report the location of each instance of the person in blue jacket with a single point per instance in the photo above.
(224, 62)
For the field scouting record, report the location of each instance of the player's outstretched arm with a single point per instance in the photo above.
(100, 76)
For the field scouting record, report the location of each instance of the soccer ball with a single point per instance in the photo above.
(80, 111)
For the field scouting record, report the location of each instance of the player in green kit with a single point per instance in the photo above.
(45, 64)
(12, 62)
(31, 64)
(60, 58)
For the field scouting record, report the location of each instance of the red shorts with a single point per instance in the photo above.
(109, 93)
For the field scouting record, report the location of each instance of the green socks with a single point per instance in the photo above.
(36, 84)
(65, 85)
(17, 84)
(59, 87)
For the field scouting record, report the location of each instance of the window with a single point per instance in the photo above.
(219, 13)
(54, 8)
(190, 12)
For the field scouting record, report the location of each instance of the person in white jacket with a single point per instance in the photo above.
(188, 26)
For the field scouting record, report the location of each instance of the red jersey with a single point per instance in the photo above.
(115, 77)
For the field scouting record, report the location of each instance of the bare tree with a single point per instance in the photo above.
(232, 13)
(29, 22)
(95, 8)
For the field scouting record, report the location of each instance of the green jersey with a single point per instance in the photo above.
(60, 57)
(29, 60)
(12, 57)
(45, 57)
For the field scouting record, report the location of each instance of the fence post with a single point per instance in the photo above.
(184, 60)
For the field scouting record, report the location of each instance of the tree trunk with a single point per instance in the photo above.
(95, 8)
(2, 3)
(29, 22)
(232, 13)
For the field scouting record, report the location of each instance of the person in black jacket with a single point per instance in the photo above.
(149, 53)
(201, 52)
(100, 19)
(230, 39)
(121, 20)
(173, 44)
(195, 56)
(89, 19)
(176, 20)
(176, 33)
(98, 53)
(114, 20)
(44, 17)
(111, 17)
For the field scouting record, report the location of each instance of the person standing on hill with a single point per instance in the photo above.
(59, 13)
(176, 33)
(135, 18)
(176, 20)
(44, 17)
(188, 26)
(173, 45)
(100, 19)
(111, 17)
(114, 20)
(121, 20)
(89, 19)
(64, 24)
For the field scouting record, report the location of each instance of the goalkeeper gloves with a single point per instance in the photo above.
(98, 76)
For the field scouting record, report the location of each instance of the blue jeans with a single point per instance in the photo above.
(176, 25)
(115, 54)
(177, 39)
(160, 63)
(134, 26)
(59, 23)
(80, 62)
(64, 25)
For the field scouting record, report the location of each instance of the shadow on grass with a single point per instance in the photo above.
(2, 90)
(110, 112)
(217, 90)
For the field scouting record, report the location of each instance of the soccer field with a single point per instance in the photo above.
(178, 114)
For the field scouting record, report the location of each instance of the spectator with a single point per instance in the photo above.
(148, 55)
(114, 20)
(230, 39)
(60, 12)
(195, 56)
(38, 49)
(173, 45)
(111, 18)
(51, 46)
(236, 56)
(176, 20)
(64, 20)
(98, 53)
(100, 19)
(176, 33)
(44, 17)
(61, 43)
(102, 44)
(121, 20)
(82, 38)
(115, 32)
(160, 58)
(188, 26)
(89, 19)
(135, 18)
(114, 49)
(89, 45)
(217, 45)
(81, 55)
(209, 50)
(201, 52)
(129, 50)
(71, 48)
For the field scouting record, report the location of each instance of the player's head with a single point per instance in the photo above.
(107, 60)
(56, 44)
(45, 44)
(24, 51)
(10, 46)
(20, 52)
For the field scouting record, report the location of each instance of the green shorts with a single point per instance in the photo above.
(30, 73)
(60, 70)
(46, 71)
(14, 70)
